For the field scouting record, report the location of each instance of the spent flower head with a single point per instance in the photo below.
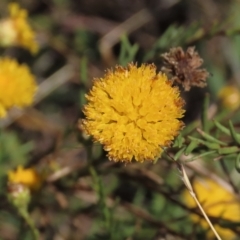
(217, 201)
(184, 67)
(134, 112)
(16, 31)
(17, 85)
(28, 177)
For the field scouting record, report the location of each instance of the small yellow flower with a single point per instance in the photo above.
(133, 112)
(15, 30)
(28, 177)
(230, 97)
(17, 85)
(218, 202)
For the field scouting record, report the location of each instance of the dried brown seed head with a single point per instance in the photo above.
(184, 67)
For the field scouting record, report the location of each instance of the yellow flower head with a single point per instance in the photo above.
(15, 30)
(133, 112)
(28, 177)
(230, 97)
(217, 201)
(17, 85)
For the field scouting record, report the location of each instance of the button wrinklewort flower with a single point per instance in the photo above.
(217, 201)
(29, 177)
(17, 85)
(15, 30)
(133, 112)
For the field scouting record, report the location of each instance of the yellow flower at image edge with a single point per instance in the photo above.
(16, 31)
(230, 97)
(29, 177)
(17, 85)
(217, 201)
(133, 112)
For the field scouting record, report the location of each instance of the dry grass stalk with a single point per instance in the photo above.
(191, 191)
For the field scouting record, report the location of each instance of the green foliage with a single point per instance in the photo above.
(175, 36)
(13, 151)
(85, 44)
(127, 51)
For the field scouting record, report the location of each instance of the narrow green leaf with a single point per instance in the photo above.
(237, 163)
(228, 150)
(127, 51)
(212, 145)
(179, 141)
(189, 128)
(179, 153)
(233, 133)
(210, 138)
(191, 147)
(165, 155)
(200, 156)
(84, 71)
(204, 118)
(207, 144)
(231, 156)
(98, 186)
(221, 127)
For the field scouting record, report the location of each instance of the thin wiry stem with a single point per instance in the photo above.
(189, 187)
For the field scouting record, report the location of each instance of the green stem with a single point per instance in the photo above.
(25, 215)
